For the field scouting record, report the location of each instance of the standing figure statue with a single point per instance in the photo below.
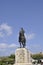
(22, 39)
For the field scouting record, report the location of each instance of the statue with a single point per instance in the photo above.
(22, 39)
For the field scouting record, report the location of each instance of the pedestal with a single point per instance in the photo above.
(22, 57)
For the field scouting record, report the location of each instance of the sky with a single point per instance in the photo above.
(15, 14)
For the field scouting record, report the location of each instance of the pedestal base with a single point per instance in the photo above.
(22, 57)
(23, 64)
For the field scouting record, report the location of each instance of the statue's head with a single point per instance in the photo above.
(22, 29)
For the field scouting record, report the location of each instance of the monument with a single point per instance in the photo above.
(22, 55)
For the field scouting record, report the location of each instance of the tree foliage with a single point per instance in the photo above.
(10, 59)
(37, 56)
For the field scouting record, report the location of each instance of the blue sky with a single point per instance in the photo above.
(15, 14)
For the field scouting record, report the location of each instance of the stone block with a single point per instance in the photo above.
(22, 57)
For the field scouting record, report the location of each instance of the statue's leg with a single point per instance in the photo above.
(23, 45)
(20, 44)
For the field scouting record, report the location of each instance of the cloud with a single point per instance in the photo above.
(30, 36)
(7, 49)
(2, 50)
(35, 47)
(1, 34)
(5, 45)
(5, 27)
(13, 45)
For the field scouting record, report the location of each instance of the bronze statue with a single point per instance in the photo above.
(22, 39)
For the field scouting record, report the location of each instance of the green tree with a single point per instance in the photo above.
(37, 56)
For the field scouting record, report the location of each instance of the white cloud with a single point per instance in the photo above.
(7, 49)
(5, 45)
(5, 27)
(13, 45)
(1, 34)
(30, 36)
(2, 50)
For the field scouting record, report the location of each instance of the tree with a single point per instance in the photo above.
(37, 56)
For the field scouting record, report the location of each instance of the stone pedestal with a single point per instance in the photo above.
(22, 57)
